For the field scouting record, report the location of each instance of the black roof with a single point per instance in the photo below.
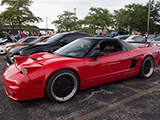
(99, 38)
(76, 31)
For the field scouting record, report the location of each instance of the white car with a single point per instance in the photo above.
(4, 46)
(156, 41)
(2, 40)
(4, 43)
(135, 38)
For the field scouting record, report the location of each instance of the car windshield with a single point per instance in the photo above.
(78, 48)
(36, 40)
(21, 40)
(53, 38)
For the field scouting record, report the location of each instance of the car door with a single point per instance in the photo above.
(112, 65)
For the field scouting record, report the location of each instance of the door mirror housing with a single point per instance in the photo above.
(96, 55)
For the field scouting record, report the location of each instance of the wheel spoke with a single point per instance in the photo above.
(147, 67)
(64, 86)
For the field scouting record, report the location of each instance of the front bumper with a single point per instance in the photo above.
(19, 86)
(24, 95)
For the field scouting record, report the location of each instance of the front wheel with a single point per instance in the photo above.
(62, 85)
(147, 67)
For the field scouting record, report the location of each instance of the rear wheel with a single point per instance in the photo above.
(62, 85)
(147, 67)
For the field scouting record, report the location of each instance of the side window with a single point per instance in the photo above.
(29, 40)
(139, 38)
(134, 38)
(108, 47)
(45, 39)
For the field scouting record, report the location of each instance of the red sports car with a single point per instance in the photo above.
(84, 63)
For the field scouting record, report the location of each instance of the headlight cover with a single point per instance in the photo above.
(24, 71)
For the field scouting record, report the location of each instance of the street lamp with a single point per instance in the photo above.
(75, 11)
(148, 16)
(46, 23)
(75, 17)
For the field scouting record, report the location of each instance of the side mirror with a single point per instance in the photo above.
(63, 42)
(96, 55)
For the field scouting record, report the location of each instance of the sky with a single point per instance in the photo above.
(48, 10)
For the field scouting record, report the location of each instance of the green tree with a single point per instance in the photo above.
(66, 21)
(120, 20)
(155, 17)
(135, 17)
(1, 25)
(98, 18)
(18, 13)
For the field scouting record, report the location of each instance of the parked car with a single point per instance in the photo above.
(116, 33)
(19, 42)
(83, 63)
(40, 39)
(122, 37)
(5, 40)
(51, 44)
(135, 38)
(152, 37)
(2, 40)
(156, 41)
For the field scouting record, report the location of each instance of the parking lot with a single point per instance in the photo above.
(128, 99)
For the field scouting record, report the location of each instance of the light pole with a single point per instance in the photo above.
(46, 23)
(75, 11)
(75, 17)
(148, 16)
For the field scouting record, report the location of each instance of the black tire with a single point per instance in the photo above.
(147, 67)
(62, 85)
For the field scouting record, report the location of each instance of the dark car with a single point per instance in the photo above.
(49, 45)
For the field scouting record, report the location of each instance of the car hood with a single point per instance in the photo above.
(9, 44)
(25, 46)
(18, 44)
(43, 58)
(18, 48)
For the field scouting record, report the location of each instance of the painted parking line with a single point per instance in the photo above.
(136, 90)
(114, 105)
(131, 88)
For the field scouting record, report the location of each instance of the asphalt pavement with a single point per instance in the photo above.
(128, 99)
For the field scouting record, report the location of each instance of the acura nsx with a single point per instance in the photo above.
(81, 64)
